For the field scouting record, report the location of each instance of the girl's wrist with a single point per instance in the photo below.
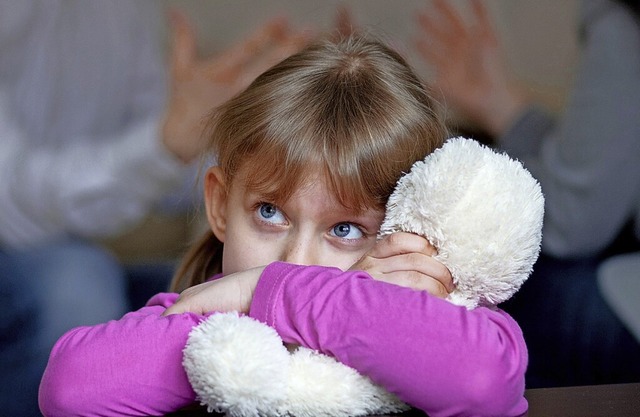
(248, 282)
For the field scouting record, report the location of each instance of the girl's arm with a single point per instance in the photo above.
(132, 366)
(434, 355)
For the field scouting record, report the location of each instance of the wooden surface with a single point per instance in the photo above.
(620, 400)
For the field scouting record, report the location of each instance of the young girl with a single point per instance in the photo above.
(308, 156)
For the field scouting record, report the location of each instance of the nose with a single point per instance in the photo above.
(301, 252)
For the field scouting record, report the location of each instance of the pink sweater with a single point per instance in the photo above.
(438, 357)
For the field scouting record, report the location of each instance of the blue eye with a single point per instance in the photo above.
(347, 231)
(268, 210)
(270, 213)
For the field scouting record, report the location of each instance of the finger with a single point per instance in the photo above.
(276, 54)
(345, 23)
(416, 281)
(183, 42)
(414, 262)
(450, 17)
(177, 308)
(275, 31)
(436, 39)
(171, 310)
(485, 26)
(181, 304)
(186, 301)
(401, 243)
(429, 25)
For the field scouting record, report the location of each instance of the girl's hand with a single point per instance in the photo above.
(469, 66)
(233, 292)
(200, 85)
(406, 259)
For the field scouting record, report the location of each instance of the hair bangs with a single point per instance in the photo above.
(276, 168)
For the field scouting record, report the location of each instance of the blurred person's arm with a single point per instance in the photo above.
(85, 188)
(94, 184)
(469, 65)
(587, 162)
(96, 187)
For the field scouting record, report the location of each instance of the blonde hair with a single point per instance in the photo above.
(352, 109)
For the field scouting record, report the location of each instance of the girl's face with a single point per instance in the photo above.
(312, 228)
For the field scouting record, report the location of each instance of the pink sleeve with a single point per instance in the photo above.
(438, 357)
(132, 366)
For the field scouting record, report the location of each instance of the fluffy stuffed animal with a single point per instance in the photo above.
(481, 210)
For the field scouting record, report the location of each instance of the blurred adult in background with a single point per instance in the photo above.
(94, 132)
(588, 164)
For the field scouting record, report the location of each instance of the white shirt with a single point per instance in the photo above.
(82, 89)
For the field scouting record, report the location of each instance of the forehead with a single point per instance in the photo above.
(315, 192)
(315, 202)
(277, 184)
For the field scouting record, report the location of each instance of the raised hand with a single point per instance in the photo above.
(200, 85)
(468, 63)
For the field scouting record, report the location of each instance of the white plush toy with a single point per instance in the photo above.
(481, 210)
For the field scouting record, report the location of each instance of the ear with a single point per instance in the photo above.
(215, 198)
